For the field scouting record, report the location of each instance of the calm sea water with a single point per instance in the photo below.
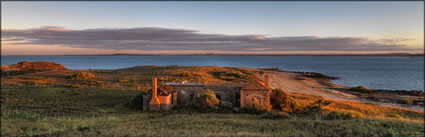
(395, 73)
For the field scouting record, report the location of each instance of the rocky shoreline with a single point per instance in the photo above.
(306, 74)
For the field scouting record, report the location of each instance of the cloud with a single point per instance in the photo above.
(151, 38)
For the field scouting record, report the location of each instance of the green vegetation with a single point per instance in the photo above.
(136, 102)
(224, 105)
(203, 124)
(233, 75)
(361, 89)
(405, 101)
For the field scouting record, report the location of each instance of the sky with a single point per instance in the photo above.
(59, 28)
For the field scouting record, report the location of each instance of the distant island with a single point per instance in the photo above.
(230, 54)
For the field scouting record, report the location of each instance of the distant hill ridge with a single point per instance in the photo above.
(238, 54)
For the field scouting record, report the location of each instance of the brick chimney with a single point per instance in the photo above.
(154, 103)
(154, 86)
(266, 80)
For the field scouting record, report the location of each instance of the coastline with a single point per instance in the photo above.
(321, 85)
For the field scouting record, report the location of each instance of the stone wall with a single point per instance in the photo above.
(186, 93)
(146, 99)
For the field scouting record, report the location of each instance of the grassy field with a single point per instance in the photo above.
(55, 109)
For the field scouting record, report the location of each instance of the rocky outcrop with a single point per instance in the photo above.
(30, 67)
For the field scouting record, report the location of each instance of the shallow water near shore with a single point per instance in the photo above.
(375, 72)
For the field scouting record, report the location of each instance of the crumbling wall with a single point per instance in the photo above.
(258, 89)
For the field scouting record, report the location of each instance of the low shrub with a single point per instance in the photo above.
(261, 72)
(395, 115)
(370, 103)
(255, 107)
(405, 101)
(124, 81)
(225, 105)
(82, 76)
(282, 101)
(230, 75)
(36, 82)
(186, 74)
(361, 89)
(341, 115)
(323, 102)
(207, 99)
(273, 115)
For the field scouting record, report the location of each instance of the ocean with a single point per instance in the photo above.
(375, 72)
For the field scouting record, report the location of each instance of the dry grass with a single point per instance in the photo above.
(59, 111)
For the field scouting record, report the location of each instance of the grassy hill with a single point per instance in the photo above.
(134, 78)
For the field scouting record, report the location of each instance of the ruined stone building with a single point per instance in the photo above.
(183, 93)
